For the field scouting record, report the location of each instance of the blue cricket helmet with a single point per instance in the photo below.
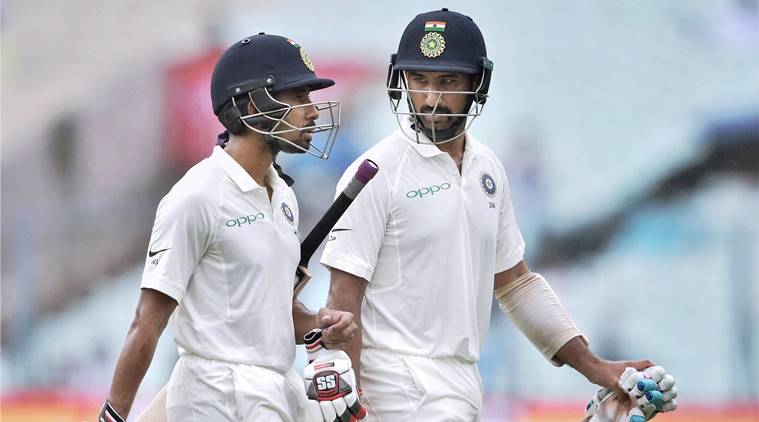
(251, 71)
(441, 41)
(262, 61)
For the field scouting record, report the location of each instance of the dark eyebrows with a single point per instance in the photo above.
(450, 75)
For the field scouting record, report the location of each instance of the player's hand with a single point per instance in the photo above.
(607, 374)
(338, 327)
(109, 414)
(330, 383)
(649, 392)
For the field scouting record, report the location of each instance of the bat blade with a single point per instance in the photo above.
(156, 409)
(302, 276)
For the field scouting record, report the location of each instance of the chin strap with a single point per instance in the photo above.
(289, 180)
(273, 145)
(222, 139)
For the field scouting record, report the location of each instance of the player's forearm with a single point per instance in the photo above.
(354, 352)
(576, 354)
(353, 348)
(131, 367)
(346, 293)
(303, 320)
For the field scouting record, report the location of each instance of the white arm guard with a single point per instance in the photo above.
(534, 308)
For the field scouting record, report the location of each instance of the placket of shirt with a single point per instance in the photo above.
(277, 199)
(451, 170)
(261, 198)
(467, 167)
(460, 176)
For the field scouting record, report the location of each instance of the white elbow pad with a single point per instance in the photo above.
(534, 308)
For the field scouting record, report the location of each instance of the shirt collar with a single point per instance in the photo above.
(427, 149)
(424, 147)
(472, 145)
(242, 179)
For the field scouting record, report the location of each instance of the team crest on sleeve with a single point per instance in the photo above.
(288, 213)
(487, 184)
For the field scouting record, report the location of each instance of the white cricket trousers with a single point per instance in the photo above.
(210, 390)
(409, 388)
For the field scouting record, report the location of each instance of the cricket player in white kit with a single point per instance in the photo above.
(420, 254)
(224, 250)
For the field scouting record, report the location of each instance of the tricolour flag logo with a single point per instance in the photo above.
(434, 26)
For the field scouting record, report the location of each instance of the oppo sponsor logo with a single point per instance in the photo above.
(248, 219)
(428, 190)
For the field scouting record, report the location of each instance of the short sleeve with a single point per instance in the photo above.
(180, 236)
(354, 243)
(509, 244)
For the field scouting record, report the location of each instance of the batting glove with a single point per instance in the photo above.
(330, 383)
(651, 391)
(108, 414)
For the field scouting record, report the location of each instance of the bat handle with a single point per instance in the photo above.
(302, 275)
(366, 171)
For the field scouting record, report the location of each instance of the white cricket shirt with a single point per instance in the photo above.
(429, 241)
(228, 256)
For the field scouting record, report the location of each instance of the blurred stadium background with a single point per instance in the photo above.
(629, 129)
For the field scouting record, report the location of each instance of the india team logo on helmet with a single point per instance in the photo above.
(288, 213)
(487, 184)
(306, 60)
(433, 42)
(303, 56)
(432, 45)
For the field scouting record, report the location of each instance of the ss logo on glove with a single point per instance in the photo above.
(326, 383)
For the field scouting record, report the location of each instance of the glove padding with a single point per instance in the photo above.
(330, 384)
(108, 414)
(651, 391)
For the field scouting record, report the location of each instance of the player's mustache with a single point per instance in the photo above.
(310, 126)
(440, 109)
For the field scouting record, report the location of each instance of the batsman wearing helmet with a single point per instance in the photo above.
(224, 250)
(420, 254)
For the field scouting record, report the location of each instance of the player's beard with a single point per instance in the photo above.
(446, 127)
(441, 122)
(302, 139)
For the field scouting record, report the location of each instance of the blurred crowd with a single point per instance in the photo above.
(629, 131)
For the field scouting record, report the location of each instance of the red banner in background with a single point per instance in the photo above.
(189, 123)
(49, 404)
(349, 77)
